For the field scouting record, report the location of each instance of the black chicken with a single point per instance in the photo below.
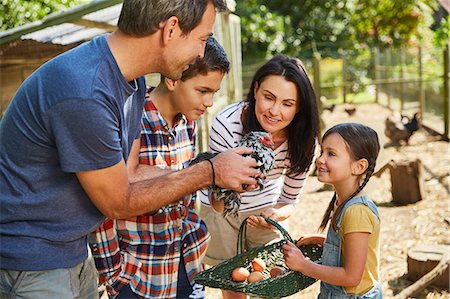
(350, 109)
(262, 145)
(401, 128)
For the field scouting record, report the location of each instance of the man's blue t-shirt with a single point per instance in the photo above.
(75, 113)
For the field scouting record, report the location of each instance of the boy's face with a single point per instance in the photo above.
(193, 96)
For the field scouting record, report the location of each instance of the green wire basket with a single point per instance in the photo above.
(287, 283)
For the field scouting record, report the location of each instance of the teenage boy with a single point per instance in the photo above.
(157, 255)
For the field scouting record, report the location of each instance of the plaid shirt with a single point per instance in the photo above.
(144, 251)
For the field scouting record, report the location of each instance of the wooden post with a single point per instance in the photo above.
(200, 134)
(376, 62)
(402, 76)
(316, 69)
(446, 90)
(344, 66)
(387, 72)
(421, 89)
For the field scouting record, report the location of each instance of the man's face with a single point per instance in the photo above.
(183, 50)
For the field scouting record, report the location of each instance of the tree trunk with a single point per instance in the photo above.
(427, 265)
(407, 182)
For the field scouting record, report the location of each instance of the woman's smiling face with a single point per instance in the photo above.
(277, 102)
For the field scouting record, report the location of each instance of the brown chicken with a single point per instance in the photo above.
(400, 128)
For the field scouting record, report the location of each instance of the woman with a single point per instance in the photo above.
(281, 101)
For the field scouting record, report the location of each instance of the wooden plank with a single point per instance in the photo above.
(94, 24)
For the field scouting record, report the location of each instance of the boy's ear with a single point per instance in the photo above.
(170, 84)
(169, 29)
(360, 166)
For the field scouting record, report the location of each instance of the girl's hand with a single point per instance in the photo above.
(293, 257)
(315, 239)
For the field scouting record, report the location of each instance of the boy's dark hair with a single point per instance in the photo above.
(362, 142)
(303, 131)
(215, 59)
(143, 17)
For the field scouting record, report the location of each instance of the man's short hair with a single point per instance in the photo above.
(215, 59)
(143, 17)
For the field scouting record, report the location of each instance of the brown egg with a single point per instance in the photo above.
(258, 264)
(240, 274)
(275, 271)
(255, 276)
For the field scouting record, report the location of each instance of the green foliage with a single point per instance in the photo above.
(301, 27)
(15, 13)
(442, 33)
(263, 32)
(316, 25)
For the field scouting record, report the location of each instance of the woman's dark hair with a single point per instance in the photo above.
(362, 142)
(303, 131)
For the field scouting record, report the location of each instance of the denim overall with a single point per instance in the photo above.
(332, 256)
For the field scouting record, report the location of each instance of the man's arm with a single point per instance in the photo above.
(138, 172)
(117, 198)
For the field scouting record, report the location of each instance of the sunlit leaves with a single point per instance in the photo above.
(14, 13)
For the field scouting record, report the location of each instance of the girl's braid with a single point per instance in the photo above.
(369, 173)
(326, 215)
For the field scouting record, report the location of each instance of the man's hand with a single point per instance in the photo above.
(232, 170)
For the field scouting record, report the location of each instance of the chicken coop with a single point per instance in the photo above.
(23, 49)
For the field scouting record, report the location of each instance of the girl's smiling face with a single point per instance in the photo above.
(334, 165)
(276, 104)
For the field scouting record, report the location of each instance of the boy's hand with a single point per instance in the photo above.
(293, 257)
(315, 239)
(233, 171)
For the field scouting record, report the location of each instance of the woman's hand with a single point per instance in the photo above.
(315, 239)
(293, 257)
(259, 222)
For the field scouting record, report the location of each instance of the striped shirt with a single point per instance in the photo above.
(279, 187)
(145, 251)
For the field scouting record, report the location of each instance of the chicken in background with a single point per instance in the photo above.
(262, 145)
(350, 109)
(325, 106)
(400, 128)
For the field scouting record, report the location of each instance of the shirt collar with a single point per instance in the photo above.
(156, 120)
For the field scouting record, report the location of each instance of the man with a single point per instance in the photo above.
(66, 137)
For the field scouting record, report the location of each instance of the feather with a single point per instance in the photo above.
(262, 145)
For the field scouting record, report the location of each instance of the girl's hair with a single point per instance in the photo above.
(215, 59)
(303, 130)
(362, 143)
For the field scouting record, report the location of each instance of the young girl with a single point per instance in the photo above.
(350, 258)
(281, 101)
